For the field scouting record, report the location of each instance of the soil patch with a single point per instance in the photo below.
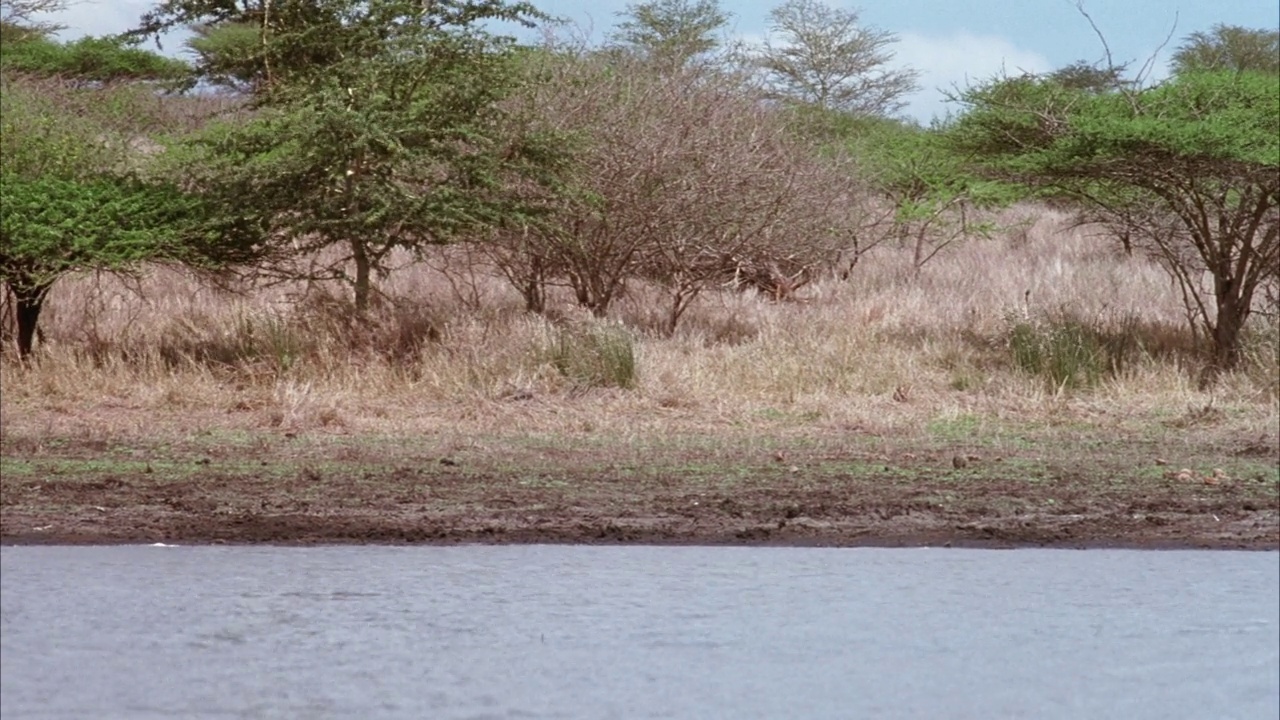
(380, 490)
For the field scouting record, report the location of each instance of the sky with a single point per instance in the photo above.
(950, 42)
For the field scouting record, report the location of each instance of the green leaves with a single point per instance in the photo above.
(1035, 129)
(377, 124)
(1189, 169)
(671, 32)
(51, 225)
(265, 46)
(80, 190)
(89, 59)
(1211, 117)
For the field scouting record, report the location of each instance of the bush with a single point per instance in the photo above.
(685, 179)
(1069, 353)
(1260, 354)
(258, 340)
(1072, 352)
(595, 356)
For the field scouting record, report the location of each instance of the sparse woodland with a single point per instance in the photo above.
(339, 213)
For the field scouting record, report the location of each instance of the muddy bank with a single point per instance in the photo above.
(441, 505)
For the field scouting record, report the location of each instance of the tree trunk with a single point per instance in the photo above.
(28, 302)
(678, 304)
(363, 283)
(534, 289)
(1226, 334)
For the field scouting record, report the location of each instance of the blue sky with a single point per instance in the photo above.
(949, 41)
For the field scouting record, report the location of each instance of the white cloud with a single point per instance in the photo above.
(956, 60)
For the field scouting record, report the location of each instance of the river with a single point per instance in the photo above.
(636, 632)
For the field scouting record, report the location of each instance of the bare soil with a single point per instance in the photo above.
(1091, 490)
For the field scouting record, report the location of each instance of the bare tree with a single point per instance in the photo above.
(1229, 47)
(825, 56)
(682, 179)
(23, 18)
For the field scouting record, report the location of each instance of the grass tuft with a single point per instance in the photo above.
(597, 355)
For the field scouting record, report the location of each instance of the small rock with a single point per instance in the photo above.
(1161, 461)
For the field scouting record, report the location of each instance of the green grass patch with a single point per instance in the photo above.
(597, 356)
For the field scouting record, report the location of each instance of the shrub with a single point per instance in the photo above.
(682, 179)
(252, 339)
(595, 356)
(1063, 351)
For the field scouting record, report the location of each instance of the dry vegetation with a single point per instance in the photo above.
(451, 348)
(603, 292)
(888, 408)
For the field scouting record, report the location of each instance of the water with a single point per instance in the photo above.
(636, 632)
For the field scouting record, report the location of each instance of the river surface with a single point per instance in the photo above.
(636, 632)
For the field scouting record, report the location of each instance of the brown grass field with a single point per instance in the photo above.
(885, 409)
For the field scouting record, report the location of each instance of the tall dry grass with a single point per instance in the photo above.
(448, 347)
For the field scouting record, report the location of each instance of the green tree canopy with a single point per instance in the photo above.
(281, 43)
(391, 135)
(1192, 166)
(89, 59)
(74, 194)
(671, 32)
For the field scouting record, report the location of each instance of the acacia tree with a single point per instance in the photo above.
(90, 60)
(1189, 168)
(671, 32)
(1229, 47)
(74, 191)
(826, 57)
(930, 189)
(378, 125)
(76, 194)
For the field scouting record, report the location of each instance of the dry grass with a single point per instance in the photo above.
(451, 352)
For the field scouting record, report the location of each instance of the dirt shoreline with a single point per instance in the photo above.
(317, 536)
(244, 510)
(1087, 490)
